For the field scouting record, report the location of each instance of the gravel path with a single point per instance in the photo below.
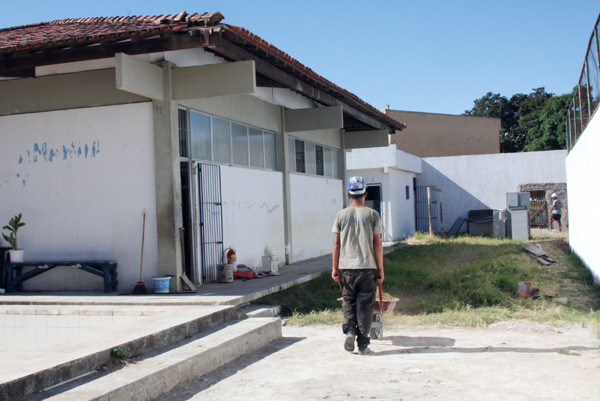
(506, 361)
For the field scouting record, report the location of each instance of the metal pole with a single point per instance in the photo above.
(567, 129)
(597, 50)
(429, 208)
(587, 80)
(441, 215)
(580, 108)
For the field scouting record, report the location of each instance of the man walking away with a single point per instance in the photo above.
(555, 212)
(357, 264)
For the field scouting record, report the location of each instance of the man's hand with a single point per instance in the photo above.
(335, 275)
(380, 276)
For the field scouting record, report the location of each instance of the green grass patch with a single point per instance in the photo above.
(465, 281)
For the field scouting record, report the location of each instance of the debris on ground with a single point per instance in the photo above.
(536, 252)
(527, 290)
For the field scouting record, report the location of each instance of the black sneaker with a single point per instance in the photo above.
(349, 341)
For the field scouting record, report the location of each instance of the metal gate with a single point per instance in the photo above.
(538, 208)
(428, 210)
(210, 211)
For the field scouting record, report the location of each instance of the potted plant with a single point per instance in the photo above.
(16, 254)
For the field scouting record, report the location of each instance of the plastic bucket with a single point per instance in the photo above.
(225, 273)
(161, 284)
(270, 264)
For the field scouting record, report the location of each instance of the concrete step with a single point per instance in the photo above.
(262, 311)
(35, 371)
(156, 375)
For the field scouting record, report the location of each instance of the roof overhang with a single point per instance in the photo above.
(274, 68)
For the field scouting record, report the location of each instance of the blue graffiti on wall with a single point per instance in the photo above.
(41, 152)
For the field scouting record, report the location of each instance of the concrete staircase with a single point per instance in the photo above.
(162, 360)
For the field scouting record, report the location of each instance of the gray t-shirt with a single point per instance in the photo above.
(557, 206)
(357, 225)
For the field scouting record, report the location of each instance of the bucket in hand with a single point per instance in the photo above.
(161, 284)
(225, 273)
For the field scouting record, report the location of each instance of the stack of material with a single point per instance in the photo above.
(536, 252)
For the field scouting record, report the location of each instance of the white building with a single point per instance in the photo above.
(223, 139)
(390, 176)
(583, 163)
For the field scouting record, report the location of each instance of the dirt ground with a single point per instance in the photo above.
(506, 361)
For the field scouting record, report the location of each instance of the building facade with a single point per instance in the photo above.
(438, 135)
(217, 137)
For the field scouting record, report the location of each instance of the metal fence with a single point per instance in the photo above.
(211, 220)
(587, 95)
(428, 210)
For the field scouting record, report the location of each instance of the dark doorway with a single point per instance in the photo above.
(186, 233)
(373, 199)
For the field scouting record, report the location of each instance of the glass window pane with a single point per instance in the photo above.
(221, 140)
(292, 153)
(270, 151)
(319, 159)
(310, 158)
(335, 159)
(200, 127)
(328, 163)
(256, 148)
(300, 160)
(183, 132)
(239, 137)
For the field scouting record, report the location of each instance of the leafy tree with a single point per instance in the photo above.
(551, 132)
(529, 122)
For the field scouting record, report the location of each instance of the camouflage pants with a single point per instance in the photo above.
(359, 289)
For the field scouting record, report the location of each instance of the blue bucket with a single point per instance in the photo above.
(161, 284)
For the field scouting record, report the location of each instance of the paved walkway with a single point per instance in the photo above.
(41, 330)
(236, 293)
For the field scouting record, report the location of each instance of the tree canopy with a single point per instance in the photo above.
(529, 122)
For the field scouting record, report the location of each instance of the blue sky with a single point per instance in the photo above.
(430, 56)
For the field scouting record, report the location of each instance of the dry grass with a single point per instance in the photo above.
(464, 281)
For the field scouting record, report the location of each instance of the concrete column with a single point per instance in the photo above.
(283, 152)
(342, 166)
(168, 182)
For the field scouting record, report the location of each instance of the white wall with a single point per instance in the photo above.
(397, 212)
(314, 204)
(403, 213)
(253, 214)
(482, 181)
(583, 176)
(81, 178)
(382, 157)
(394, 170)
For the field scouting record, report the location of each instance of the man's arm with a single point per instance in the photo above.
(378, 251)
(335, 255)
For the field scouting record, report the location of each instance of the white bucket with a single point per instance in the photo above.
(225, 273)
(270, 264)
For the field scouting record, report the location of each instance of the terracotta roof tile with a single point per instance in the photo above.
(83, 29)
(91, 30)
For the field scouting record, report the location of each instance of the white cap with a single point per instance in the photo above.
(554, 195)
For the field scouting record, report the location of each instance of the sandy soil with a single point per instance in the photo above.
(506, 361)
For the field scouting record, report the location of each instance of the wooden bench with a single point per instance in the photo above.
(107, 269)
